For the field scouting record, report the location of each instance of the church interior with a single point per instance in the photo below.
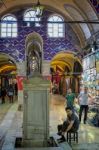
(47, 49)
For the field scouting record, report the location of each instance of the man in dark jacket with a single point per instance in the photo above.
(71, 123)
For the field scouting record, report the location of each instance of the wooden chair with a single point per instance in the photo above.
(72, 136)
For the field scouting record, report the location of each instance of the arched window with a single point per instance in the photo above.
(8, 26)
(56, 28)
(30, 16)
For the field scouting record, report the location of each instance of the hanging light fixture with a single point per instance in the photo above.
(38, 8)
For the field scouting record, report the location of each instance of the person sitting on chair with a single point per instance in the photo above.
(71, 124)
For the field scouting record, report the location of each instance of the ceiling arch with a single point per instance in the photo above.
(86, 7)
(7, 63)
(78, 16)
(65, 59)
(87, 11)
(51, 5)
(6, 68)
(60, 63)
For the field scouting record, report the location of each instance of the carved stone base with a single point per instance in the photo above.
(34, 143)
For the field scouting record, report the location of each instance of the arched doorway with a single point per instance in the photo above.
(8, 72)
(34, 54)
(66, 69)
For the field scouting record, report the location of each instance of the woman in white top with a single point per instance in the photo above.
(83, 101)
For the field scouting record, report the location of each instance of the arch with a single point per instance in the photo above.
(34, 36)
(7, 62)
(66, 59)
(65, 72)
(34, 53)
(30, 15)
(87, 8)
(55, 14)
(78, 16)
(9, 14)
(9, 57)
(51, 7)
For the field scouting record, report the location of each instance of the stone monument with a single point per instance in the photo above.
(36, 112)
(36, 99)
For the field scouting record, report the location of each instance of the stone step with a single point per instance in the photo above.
(63, 145)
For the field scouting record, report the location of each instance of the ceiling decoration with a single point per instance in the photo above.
(5, 68)
(6, 64)
(65, 60)
(95, 3)
(87, 12)
(78, 17)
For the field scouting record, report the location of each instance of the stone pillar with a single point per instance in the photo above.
(36, 112)
(45, 68)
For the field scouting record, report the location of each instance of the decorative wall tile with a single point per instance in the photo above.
(16, 47)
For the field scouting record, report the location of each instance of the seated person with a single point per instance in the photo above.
(71, 123)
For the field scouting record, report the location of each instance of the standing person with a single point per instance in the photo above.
(55, 88)
(16, 89)
(11, 93)
(70, 98)
(83, 101)
(0, 95)
(71, 124)
(3, 94)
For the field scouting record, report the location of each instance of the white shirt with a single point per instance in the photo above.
(83, 98)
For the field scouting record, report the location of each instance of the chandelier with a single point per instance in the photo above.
(38, 8)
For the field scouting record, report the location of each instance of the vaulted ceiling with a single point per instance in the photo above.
(64, 62)
(72, 10)
(6, 64)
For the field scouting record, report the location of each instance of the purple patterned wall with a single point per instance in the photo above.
(16, 47)
(95, 3)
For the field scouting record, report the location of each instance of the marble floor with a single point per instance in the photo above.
(88, 135)
(4, 109)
